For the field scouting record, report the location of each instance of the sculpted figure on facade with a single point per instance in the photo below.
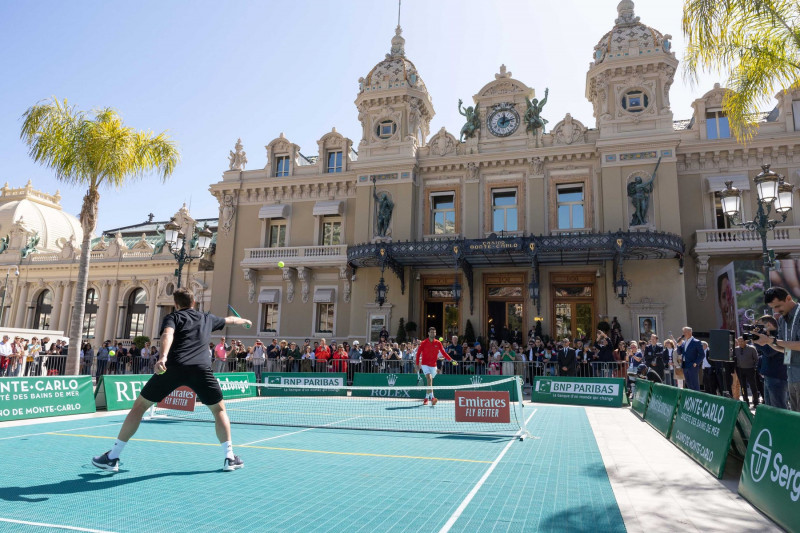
(383, 211)
(31, 246)
(534, 122)
(568, 131)
(4, 244)
(238, 159)
(473, 124)
(537, 166)
(472, 171)
(639, 193)
(228, 211)
(414, 118)
(442, 143)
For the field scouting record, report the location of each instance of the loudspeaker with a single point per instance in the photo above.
(721, 343)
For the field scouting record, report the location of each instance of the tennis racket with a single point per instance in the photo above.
(247, 326)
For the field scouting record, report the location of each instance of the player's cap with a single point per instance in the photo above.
(477, 344)
(641, 369)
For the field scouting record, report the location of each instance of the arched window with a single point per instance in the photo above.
(44, 306)
(90, 314)
(137, 307)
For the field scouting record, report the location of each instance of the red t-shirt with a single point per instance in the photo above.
(429, 351)
(323, 353)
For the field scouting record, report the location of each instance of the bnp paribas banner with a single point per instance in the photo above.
(36, 397)
(771, 470)
(304, 384)
(606, 392)
(661, 407)
(703, 428)
(405, 385)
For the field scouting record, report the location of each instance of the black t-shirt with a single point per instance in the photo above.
(192, 333)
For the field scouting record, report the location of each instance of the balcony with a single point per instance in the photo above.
(783, 239)
(295, 256)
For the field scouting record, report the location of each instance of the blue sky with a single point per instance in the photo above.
(209, 72)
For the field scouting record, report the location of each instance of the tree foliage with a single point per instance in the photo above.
(401, 331)
(754, 42)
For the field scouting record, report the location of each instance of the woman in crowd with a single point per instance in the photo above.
(677, 361)
(621, 359)
(87, 358)
(507, 358)
(321, 355)
(307, 359)
(340, 359)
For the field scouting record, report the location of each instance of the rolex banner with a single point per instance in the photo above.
(119, 392)
(395, 385)
(37, 397)
(661, 407)
(771, 470)
(703, 428)
(605, 392)
(304, 384)
(641, 395)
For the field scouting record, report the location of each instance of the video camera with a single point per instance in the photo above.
(751, 332)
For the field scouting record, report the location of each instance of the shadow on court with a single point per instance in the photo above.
(584, 518)
(86, 483)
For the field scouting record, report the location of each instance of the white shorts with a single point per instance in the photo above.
(428, 370)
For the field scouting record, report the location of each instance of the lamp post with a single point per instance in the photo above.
(773, 194)
(5, 291)
(621, 287)
(181, 250)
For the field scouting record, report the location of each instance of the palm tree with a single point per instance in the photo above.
(92, 150)
(755, 42)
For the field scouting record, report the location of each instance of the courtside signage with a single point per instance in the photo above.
(640, 396)
(483, 406)
(605, 392)
(181, 399)
(37, 397)
(236, 384)
(119, 392)
(661, 407)
(771, 470)
(304, 384)
(703, 428)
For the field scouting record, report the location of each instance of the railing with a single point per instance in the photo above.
(782, 238)
(570, 231)
(296, 255)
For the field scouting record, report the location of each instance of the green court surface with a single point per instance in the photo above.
(314, 480)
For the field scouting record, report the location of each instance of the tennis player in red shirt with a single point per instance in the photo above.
(427, 355)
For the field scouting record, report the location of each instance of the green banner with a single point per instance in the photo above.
(119, 392)
(661, 407)
(296, 383)
(397, 385)
(606, 392)
(771, 470)
(641, 393)
(703, 428)
(236, 384)
(37, 397)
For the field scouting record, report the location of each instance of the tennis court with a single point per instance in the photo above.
(299, 479)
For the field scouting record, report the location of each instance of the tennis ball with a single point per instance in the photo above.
(112, 353)
(441, 339)
(281, 264)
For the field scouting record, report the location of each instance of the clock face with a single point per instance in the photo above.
(503, 122)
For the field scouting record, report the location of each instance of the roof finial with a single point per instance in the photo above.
(626, 15)
(398, 12)
(398, 44)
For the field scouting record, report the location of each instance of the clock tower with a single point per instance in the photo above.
(501, 106)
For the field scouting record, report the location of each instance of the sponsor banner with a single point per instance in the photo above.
(483, 406)
(771, 470)
(293, 380)
(641, 394)
(703, 428)
(236, 384)
(36, 397)
(181, 399)
(661, 407)
(398, 384)
(606, 392)
(119, 392)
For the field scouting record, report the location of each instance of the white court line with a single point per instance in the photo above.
(59, 526)
(60, 431)
(301, 431)
(457, 514)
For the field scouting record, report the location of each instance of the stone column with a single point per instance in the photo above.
(152, 291)
(110, 332)
(55, 313)
(22, 305)
(66, 306)
(102, 313)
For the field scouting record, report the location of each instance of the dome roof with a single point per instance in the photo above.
(394, 71)
(40, 212)
(630, 37)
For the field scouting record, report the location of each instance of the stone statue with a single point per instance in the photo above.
(383, 208)
(238, 159)
(473, 124)
(228, 212)
(4, 244)
(537, 165)
(31, 246)
(568, 132)
(534, 123)
(158, 247)
(639, 193)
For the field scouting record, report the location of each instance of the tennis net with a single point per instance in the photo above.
(493, 408)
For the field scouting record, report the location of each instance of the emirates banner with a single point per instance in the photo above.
(483, 406)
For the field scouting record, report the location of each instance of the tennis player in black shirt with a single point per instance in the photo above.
(184, 360)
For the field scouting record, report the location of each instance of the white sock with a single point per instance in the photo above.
(227, 448)
(116, 449)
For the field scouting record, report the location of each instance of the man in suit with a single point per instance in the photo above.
(652, 356)
(692, 351)
(566, 359)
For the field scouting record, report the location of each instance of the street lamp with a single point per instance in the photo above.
(176, 240)
(5, 291)
(456, 291)
(621, 287)
(773, 193)
(380, 292)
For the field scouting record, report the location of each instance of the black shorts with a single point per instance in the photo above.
(198, 378)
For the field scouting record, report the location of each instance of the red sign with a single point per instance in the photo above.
(181, 399)
(483, 406)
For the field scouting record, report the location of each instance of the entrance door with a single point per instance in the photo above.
(439, 305)
(505, 306)
(434, 314)
(496, 320)
(573, 305)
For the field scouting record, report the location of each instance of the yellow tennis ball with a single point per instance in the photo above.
(281, 264)
(441, 339)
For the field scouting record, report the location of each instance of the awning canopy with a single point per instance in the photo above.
(274, 211)
(269, 296)
(328, 207)
(323, 296)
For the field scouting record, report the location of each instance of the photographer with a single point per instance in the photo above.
(787, 339)
(772, 367)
